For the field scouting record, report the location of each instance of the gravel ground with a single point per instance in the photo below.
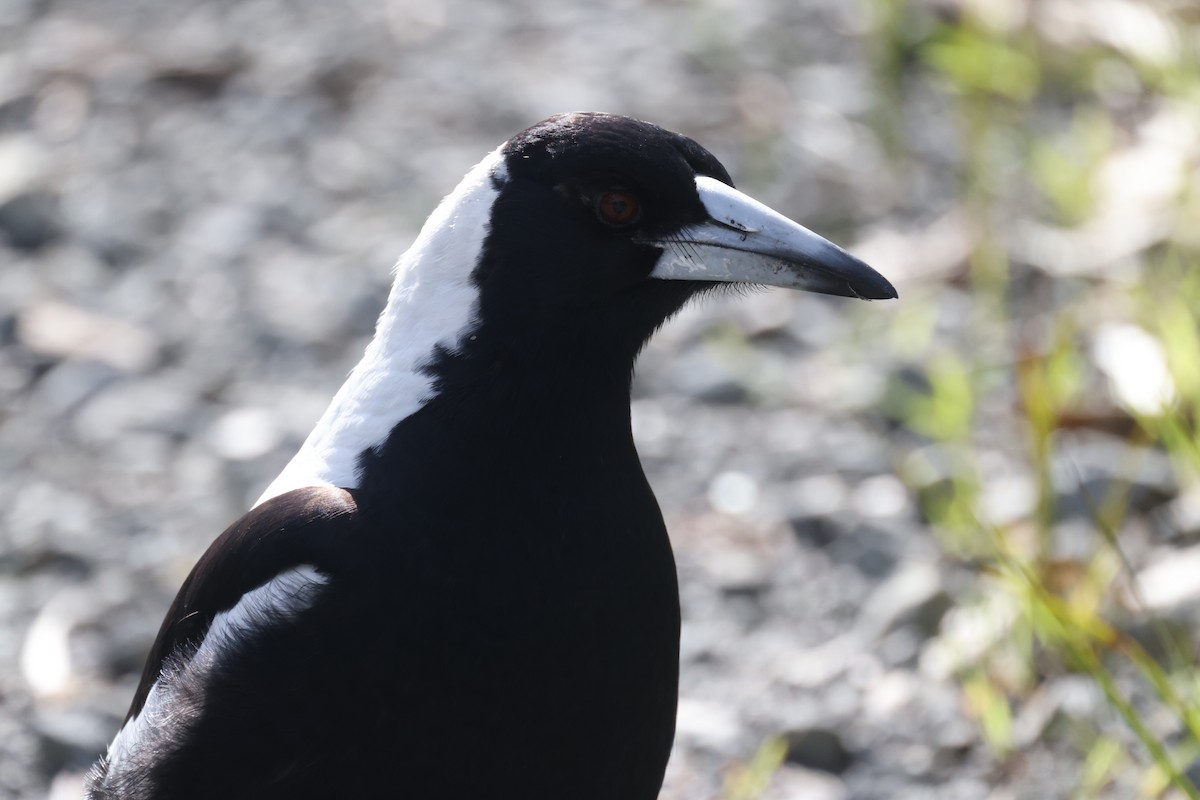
(199, 204)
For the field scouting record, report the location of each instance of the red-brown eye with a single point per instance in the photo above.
(618, 207)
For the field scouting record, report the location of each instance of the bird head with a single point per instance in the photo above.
(605, 225)
(549, 267)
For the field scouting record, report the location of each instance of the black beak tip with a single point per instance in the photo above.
(866, 283)
(881, 289)
(851, 278)
(858, 278)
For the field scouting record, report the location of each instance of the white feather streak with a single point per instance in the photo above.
(432, 302)
(172, 700)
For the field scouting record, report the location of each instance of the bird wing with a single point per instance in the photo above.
(296, 529)
(227, 665)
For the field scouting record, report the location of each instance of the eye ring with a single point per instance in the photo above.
(618, 207)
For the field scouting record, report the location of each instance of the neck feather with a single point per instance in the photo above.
(433, 305)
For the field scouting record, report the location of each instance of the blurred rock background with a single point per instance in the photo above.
(945, 547)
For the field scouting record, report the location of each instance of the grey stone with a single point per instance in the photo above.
(1169, 582)
(820, 530)
(870, 549)
(913, 597)
(817, 748)
(30, 221)
(69, 384)
(70, 738)
(792, 781)
(1192, 772)
(702, 375)
(1088, 465)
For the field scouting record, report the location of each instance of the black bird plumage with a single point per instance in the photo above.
(485, 604)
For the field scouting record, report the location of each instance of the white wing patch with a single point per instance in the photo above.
(432, 303)
(176, 697)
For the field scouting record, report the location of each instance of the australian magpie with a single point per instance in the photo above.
(461, 586)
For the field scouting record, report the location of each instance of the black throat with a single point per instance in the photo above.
(511, 433)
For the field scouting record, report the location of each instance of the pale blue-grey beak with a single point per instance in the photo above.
(744, 241)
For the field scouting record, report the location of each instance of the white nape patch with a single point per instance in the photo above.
(432, 302)
(176, 697)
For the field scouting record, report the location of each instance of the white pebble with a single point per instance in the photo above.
(733, 493)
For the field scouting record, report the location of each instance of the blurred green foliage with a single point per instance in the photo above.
(750, 781)
(1049, 98)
